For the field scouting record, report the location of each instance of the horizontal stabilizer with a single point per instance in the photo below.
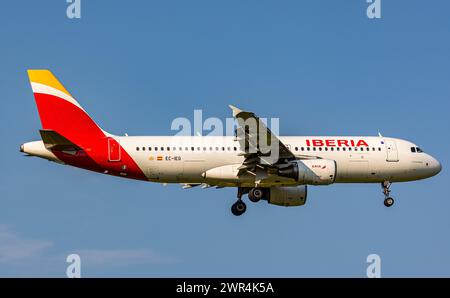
(54, 141)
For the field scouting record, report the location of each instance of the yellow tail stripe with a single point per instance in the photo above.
(45, 77)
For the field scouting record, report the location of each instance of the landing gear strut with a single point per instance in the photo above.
(239, 207)
(388, 200)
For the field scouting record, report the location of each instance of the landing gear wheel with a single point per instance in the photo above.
(255, 194)
(388, 202)
(238, 208)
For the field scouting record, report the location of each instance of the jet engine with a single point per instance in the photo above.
(287, 195)
(310, 171)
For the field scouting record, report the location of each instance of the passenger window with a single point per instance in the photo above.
(320, 148)
(192, 148)
(149, 148)
(156, 148)
(234, 148)
(223, 148)
(314, 148)
(379, 148)
(198, 148)
(137, 148)
(326, 148)
(350, 149)
(204, 148)
(343, 149)
(143, 148)
(168, 148)
(162, 148)
(332, 148)
(308, 148)
(303, 149)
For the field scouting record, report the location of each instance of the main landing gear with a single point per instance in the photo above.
(238, 208)
(254, 194)
(388, 200)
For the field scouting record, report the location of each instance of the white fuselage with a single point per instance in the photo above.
(186, 159)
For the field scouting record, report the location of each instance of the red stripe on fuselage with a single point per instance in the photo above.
(74, 124)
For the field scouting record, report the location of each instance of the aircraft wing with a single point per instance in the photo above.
(260, 147)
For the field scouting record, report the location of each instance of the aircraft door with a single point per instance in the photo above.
(114, 153)
(392, 152)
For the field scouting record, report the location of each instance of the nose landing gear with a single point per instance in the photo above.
(388, 200)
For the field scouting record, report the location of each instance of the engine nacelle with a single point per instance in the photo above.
(288, 196)
(311, 171)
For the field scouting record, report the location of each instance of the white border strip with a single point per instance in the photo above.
(41, 88)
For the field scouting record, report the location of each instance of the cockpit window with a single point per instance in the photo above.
(419, 150)
(413, 149)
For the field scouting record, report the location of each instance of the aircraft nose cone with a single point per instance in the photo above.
(21, 148)
(438, 167)
(435, 166)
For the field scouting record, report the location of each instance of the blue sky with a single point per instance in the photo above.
(322, 67)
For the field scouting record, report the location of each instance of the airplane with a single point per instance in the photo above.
(69, 136)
